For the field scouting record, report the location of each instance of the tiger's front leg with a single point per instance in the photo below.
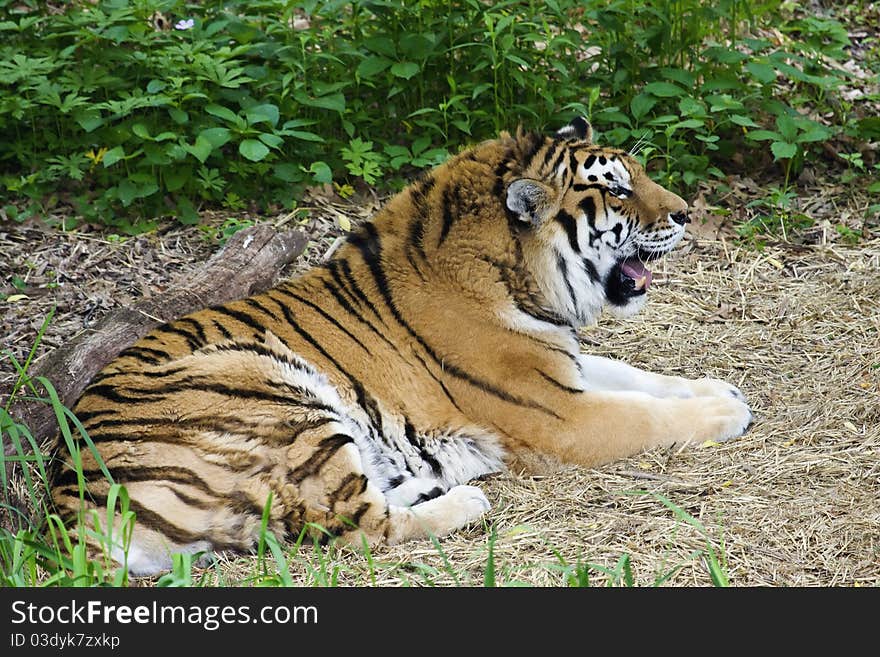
(602, 426)
(606, 374)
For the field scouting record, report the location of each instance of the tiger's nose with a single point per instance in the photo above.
(680, 218)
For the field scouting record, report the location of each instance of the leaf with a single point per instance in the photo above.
(763, 135)
(126, 192)
(217, 137)
(819, 133)
(12, 298)
(266, 113)
(334, 102)
(89, 120)
(201, 150)
(763, 73)
(222, 113)
(253, 150)
(372, 65)
(689, 123)
(272, 141)
(405, 70)
(178, 115)
(155, 86)
(344, 222)
(787, 127)
(113, 156)
(140, 130)
(869, 127)
(664, 89)
(874, 188)
(303, 135)
(186, 213)
(380, 45)
(744, 121)
(641, 105)
(783, 150)
(321, 172)
(176, 177)
(287, 172)
(691, 107)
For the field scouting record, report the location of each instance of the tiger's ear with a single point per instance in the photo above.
(530, 199)
(578, 130)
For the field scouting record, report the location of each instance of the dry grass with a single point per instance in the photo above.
(796, 501)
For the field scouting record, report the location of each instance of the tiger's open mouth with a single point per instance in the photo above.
(633, 273)
(629, 277)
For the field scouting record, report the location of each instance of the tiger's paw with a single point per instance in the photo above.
(723, 418)
(470, 502)
(461, 506)
(708, 387)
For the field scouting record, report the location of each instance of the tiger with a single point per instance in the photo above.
(438, 345)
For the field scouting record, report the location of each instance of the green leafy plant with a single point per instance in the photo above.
(103, 113)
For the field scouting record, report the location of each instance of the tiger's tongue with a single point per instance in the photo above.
(637, 271)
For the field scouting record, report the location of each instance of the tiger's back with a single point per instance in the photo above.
(435, 345)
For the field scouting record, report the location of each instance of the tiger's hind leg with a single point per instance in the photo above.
(345, 502)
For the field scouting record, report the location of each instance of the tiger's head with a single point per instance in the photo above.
(591, 221)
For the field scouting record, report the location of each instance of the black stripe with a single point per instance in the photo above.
(261, 349)
(439, 382)
(359, 513)
(222, 329)
(358, 292)
(558, 160)
(370, 247)
(175, 474)
(207, 384)
(410, 432)
(589, 162)
(114, 394)
(588, 205)
(146, 355)
(241, 317)
(153, 520)
(558, 384)
(536, 141)
(321, 312)
(573, 163)
(256, 305)
(550, 152)
(326, 449)
(583, 187)
(568, 222)
(448, 216)
(416, 238)
(205, 505)
(430, 495)
(563, 272)
(591, 270)
(419, 192)
(156, 374)
(172, 329)
(352, 485)
(343, 302)
(197, 326)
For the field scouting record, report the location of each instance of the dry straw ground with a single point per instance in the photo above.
(796, 501)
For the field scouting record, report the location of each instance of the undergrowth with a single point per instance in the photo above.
(127, 112)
